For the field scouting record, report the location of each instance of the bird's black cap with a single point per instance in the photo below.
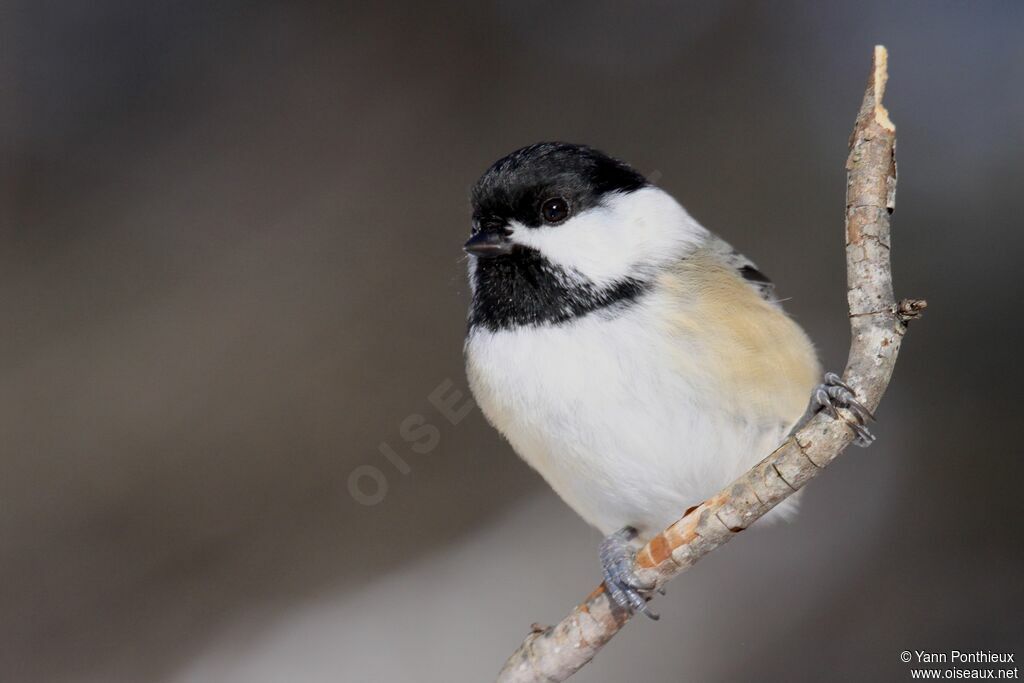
(514, 186)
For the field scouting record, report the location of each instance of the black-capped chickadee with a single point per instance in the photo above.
(632, 357)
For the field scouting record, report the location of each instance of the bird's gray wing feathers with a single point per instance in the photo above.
(743, 266)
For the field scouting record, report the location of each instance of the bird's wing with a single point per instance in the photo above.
(747, 269)
(731, 332)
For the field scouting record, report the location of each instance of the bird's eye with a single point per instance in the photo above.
(554, 210)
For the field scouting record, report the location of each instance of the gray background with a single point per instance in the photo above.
(230, 267)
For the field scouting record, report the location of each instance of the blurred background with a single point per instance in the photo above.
(231, 269)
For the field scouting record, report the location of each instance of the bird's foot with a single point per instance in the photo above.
(833, 393)
(621, 582)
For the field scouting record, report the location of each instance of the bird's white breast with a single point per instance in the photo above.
(603, 408)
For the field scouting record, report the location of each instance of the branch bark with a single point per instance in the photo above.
(877, 324)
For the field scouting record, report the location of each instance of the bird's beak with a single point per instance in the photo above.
(489, 242)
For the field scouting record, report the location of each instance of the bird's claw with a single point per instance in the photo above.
(624, 587)
(833, 393)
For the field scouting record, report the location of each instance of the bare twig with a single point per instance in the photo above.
(877, 324)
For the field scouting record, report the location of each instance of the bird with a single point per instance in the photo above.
(632, 357)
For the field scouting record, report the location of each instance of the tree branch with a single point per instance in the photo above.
(877, 324)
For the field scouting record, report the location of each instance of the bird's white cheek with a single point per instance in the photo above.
(631, 235)
(595, 244)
